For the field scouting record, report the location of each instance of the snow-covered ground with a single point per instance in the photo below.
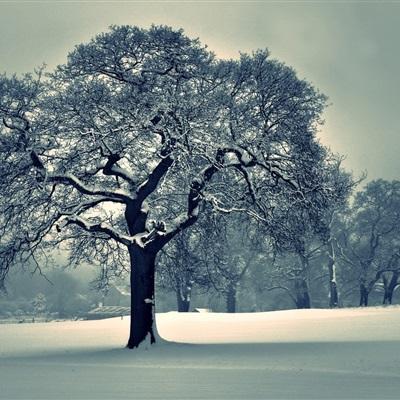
(296, 354)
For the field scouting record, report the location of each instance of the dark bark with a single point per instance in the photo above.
(143, 259)
(302, 291)
(302, 294)
(390, 286)
(333, 295)
(364, 293)
(231, 299)
(142, 295)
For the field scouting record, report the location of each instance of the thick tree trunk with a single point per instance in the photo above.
(182, 301)
(390, 287)
(231, 298)
(387, 297)
(363, 295)
(394, 282)
(142, 296)
(333, 292)
(302, 291)
(302, 294)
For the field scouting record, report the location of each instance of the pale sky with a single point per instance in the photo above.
(348, 49)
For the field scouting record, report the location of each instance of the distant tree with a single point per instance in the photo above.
(116, 151)
(292, 272)
(301, 237)
(259, 279)
(331, 226)
(62, 294)
(370, 244)
(181, 268)
(229, 252)
(391, 281)
(39, 304)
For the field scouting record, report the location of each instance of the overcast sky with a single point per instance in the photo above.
(349, 50)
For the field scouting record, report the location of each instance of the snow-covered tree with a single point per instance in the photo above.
(370, 243)
(230, 245)
(181, 267)
(309, 237)
(39, 304)
(115, 152)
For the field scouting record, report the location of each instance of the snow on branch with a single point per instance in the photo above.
(81, 207)
(111, 168)
(194, 199)
(70, 179)
(102, 227)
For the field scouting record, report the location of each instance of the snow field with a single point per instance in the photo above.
(294, 354)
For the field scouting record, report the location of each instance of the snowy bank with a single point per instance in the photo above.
(310, 354)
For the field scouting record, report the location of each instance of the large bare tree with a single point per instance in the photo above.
(114, 152)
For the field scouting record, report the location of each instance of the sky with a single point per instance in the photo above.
(349, 50)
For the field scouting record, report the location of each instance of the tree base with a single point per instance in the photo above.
(152, 339)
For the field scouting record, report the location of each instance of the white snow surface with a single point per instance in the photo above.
(294, 354)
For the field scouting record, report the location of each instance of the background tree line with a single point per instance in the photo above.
(229, 264)
(356, 257)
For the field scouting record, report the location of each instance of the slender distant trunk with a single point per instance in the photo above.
(258, 300)
(333, 292)
(385, 290)
(142, 295)
(363, 295)
(183, 300)
(389, 287)
(231, 298)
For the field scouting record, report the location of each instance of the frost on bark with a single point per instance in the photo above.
(333, 292)
(115, 153)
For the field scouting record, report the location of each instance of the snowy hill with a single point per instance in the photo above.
(347, 353)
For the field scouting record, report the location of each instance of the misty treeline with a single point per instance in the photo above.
(143, 134)
(356, 255)
(57, 294)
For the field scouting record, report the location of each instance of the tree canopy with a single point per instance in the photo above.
(117, 151)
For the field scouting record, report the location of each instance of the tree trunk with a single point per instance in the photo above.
(363, 295)
(333, 295)
(231, 298)
(142, 295)
(302, 294)
(333, 292)
(183, 301)
(389, 287)
(387, 297)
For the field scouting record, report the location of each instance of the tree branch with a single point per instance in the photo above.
(99, 228)
(118, 196)
(111, 168)
(148, 187)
